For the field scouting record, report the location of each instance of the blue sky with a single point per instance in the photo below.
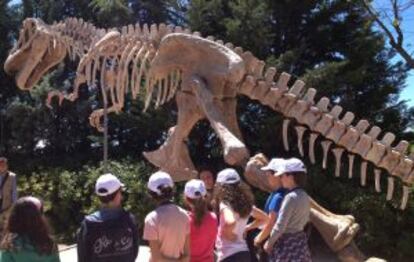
(408, 29)
(407, 26)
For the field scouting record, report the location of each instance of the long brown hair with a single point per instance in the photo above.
(238, 196)
(27, 221)
(199, 206)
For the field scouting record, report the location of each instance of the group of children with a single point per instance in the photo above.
(211, 228)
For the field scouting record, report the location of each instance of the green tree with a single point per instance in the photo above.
(333, 47)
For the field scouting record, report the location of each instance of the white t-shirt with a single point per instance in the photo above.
(226, 248)
(170, 225)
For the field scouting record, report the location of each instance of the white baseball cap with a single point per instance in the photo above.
(107, 184)
(294, 165)
(195, 188)
(276, 165)
(159, 179)
(228, 176)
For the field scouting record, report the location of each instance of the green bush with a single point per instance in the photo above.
(69, 196)
(385, 231)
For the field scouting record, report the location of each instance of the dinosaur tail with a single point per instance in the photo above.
(337, 129)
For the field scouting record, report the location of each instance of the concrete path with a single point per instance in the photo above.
(68, 254)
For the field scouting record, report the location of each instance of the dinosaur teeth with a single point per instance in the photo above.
(390, 188)
(351, 159)
(300, 130)
(312, 139)
(338, 155)
(169, 81)
(325, 146)
(364, 166)
(159, 93)
(377, 173)
(285, 134)
(177, 77)
(166, 90)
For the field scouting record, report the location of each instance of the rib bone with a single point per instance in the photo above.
(405, 197)
(338, 155)
(390, 188)
(325, 145)
(300, 130)
(285, 134)
(377, 179)
(351, 158)
(312, 139)
(364, 166)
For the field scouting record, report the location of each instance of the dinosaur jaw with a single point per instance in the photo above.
(33, 59)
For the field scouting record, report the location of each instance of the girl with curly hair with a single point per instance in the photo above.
(26, 236)
(234, 202)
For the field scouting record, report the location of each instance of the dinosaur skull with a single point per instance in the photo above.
(36, 51)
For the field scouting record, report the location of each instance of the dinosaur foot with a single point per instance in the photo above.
(346, 233)
(337, 230)
(175, 161)
(236, 153)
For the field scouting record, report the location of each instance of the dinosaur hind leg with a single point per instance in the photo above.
(173, 156)
(223, 119)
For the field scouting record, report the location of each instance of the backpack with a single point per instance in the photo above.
(111, 240)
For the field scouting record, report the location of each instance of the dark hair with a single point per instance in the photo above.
(108, 198)
(26, 220)
(199, 207)
(299, 178)
(239, 196)
(167, 193)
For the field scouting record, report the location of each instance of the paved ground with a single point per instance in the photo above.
(68, 254)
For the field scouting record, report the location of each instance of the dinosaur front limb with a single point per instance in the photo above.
(235, 152)
(173, 156)
(337, 230)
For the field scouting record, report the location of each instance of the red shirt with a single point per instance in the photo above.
(202, 238)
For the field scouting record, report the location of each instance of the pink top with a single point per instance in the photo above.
(202, 238)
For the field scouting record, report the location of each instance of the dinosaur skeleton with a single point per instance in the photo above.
(205, 76)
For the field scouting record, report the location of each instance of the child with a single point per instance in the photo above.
(234, 202)
(26, 235)
(273, 203)
(203, 223)
(288, 241)
(167, 228)
(111, 223)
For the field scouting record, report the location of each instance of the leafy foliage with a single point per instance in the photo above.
(330, 44)
(69, 195)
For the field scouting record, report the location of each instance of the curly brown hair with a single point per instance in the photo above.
(27, 221)
(238, 196)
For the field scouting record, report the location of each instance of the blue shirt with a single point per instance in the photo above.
(274, 201)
